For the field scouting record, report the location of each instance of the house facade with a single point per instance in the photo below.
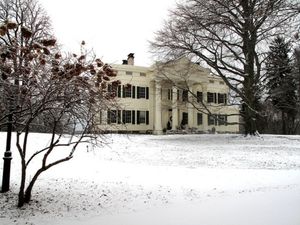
(179, 95)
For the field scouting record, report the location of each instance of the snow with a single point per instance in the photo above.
(165, 180)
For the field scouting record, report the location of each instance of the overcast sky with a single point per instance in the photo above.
(113, 28)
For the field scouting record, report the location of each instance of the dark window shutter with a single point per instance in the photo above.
(225, 99)
(147, 117)
(123, 116)
(108, 117)
(133, 116)
(215, 97)
(123, 91)
(119, 91)
(138, 92)
(119, 116)
(147, 92)
(219, 98)
(138, 117)
(133, 91)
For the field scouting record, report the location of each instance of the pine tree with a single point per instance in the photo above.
(281, 84)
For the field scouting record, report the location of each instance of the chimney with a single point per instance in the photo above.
(125, 62)
(130, 59)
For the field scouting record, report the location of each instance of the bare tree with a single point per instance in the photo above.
(38, 84)
(230, 37)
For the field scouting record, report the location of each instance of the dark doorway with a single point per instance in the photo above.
(185, 118)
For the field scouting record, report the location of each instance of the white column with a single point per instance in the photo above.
(204, 116)
(190, 112)
(174, 109)
(157, 123)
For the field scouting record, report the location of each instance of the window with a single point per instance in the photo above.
(142, 74)
(111, 116)
(211, 97)
(128, 73)
(199, 118)
(199, 96)
(127, 91)
(222, 98)
(114, 116)
(211, 120)
(222, 82)
(127, 116)
(142, 117)
(112, 90)
(143, 92)
(211, 81)
(185, 95)
(222, 119)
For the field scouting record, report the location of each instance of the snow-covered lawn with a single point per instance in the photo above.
(165, 180)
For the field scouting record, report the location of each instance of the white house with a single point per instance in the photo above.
(171, 96)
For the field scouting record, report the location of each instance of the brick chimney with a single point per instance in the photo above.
(130, 59)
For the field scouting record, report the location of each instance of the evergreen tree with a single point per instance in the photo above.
(281, 84)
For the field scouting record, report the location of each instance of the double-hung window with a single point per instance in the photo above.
(127, 90)
(211, 97)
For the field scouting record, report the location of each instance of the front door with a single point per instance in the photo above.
(185, 119)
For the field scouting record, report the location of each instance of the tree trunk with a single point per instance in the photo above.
(28, 191)
(22, 186)
(249, 121)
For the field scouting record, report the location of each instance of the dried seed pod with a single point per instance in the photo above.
(11, 25)
(43, 61)
(26, 33)
(46, 51)
(3, 30)
(57, 56)
(93, 72)
(48, 42)
(106, 78)
(4, 76)
(36, 46)
(81, 58)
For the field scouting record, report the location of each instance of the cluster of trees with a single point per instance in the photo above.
(232, 38)
(44, 89)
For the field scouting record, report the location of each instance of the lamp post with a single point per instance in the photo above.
(7, 157)
(7, 154)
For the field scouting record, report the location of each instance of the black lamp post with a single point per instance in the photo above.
(7, 154)
(7, 157)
